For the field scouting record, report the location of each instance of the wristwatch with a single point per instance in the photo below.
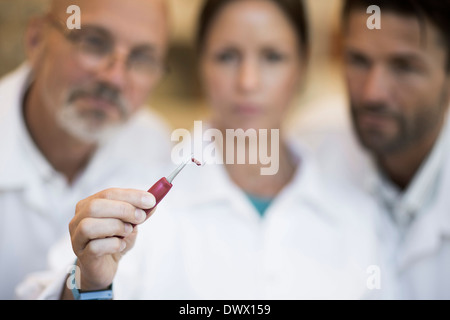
(106, 294)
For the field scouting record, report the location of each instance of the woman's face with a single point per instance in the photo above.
(251, 65)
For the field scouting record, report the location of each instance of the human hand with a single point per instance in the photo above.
(103, 230)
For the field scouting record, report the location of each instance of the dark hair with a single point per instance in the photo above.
(436, 11)
(293, 9)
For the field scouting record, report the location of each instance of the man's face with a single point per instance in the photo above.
(397, 81)
(91, 80)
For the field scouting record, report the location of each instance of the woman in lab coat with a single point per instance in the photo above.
(228, 231)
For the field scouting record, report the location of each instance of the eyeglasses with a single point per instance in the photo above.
(95, 48)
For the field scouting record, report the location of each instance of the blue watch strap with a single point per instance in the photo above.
(106, 294)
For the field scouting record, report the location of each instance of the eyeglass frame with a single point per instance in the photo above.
(70, 36)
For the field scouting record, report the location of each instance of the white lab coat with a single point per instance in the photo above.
(207, 241)
(420, 250)
(36, 203)
(418, 256)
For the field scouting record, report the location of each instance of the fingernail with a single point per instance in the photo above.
(128, 228)
(140, 215)
(148, 201)
(123, 246)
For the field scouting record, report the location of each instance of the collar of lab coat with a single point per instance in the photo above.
(422, 189)
(428, 197)
(14, 136)
(22, 165)
(433, 226)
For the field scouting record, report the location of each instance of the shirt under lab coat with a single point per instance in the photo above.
(414, 225)
(207, 241)
(37, 203)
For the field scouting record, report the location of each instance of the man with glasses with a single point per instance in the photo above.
(72, 122)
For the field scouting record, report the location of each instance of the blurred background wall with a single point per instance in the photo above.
(178, 98)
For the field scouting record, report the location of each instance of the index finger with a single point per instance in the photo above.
(138, 198)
